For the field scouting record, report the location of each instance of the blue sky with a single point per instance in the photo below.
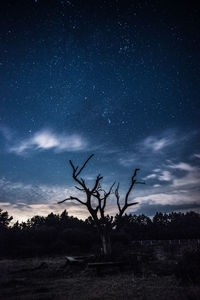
(117, 79)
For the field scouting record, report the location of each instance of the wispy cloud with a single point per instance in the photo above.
(168, 138)
(180, 192)
(150, 149)
(167, 198)
(190, 179)
(46, 139)
(155, 143)
(172, 196)
(6, 132)
(161, 175)
(157, 170)
(165, 176)
(150, 176)
(197, 155)
(189, 174)
(156, 185)
(128, 160)
(183, 166)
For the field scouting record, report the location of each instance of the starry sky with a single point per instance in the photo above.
(119, 79)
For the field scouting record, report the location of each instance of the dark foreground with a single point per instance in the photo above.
(51, 278)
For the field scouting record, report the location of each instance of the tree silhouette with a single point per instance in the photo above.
(4, 219)
(96, 200)
(61, 234)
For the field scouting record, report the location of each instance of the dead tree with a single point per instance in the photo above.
(104, 223)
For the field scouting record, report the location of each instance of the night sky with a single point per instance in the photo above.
(119, 79)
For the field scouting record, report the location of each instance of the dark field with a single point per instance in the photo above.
(51, 278)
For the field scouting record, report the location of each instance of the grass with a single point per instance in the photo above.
(49, 278)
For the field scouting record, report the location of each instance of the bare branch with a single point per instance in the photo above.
(99, 188)
(72, 198)
(133, 181)
(102, 199)
(76, 173)
(74, 169)
(78, 188)
(106, 196)
(118, 197)
(85, 163)
(96, 185)
(126, 204)
(82, 181)
(110, 190)
(134, 203)
(135, 173)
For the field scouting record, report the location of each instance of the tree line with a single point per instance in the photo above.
(58, 234)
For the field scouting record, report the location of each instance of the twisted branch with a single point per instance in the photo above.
(126, 204)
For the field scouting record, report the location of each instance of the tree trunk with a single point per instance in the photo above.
(106, 244)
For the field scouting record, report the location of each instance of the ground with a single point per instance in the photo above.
(50, 278)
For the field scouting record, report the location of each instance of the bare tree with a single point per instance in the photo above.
(96, 200)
